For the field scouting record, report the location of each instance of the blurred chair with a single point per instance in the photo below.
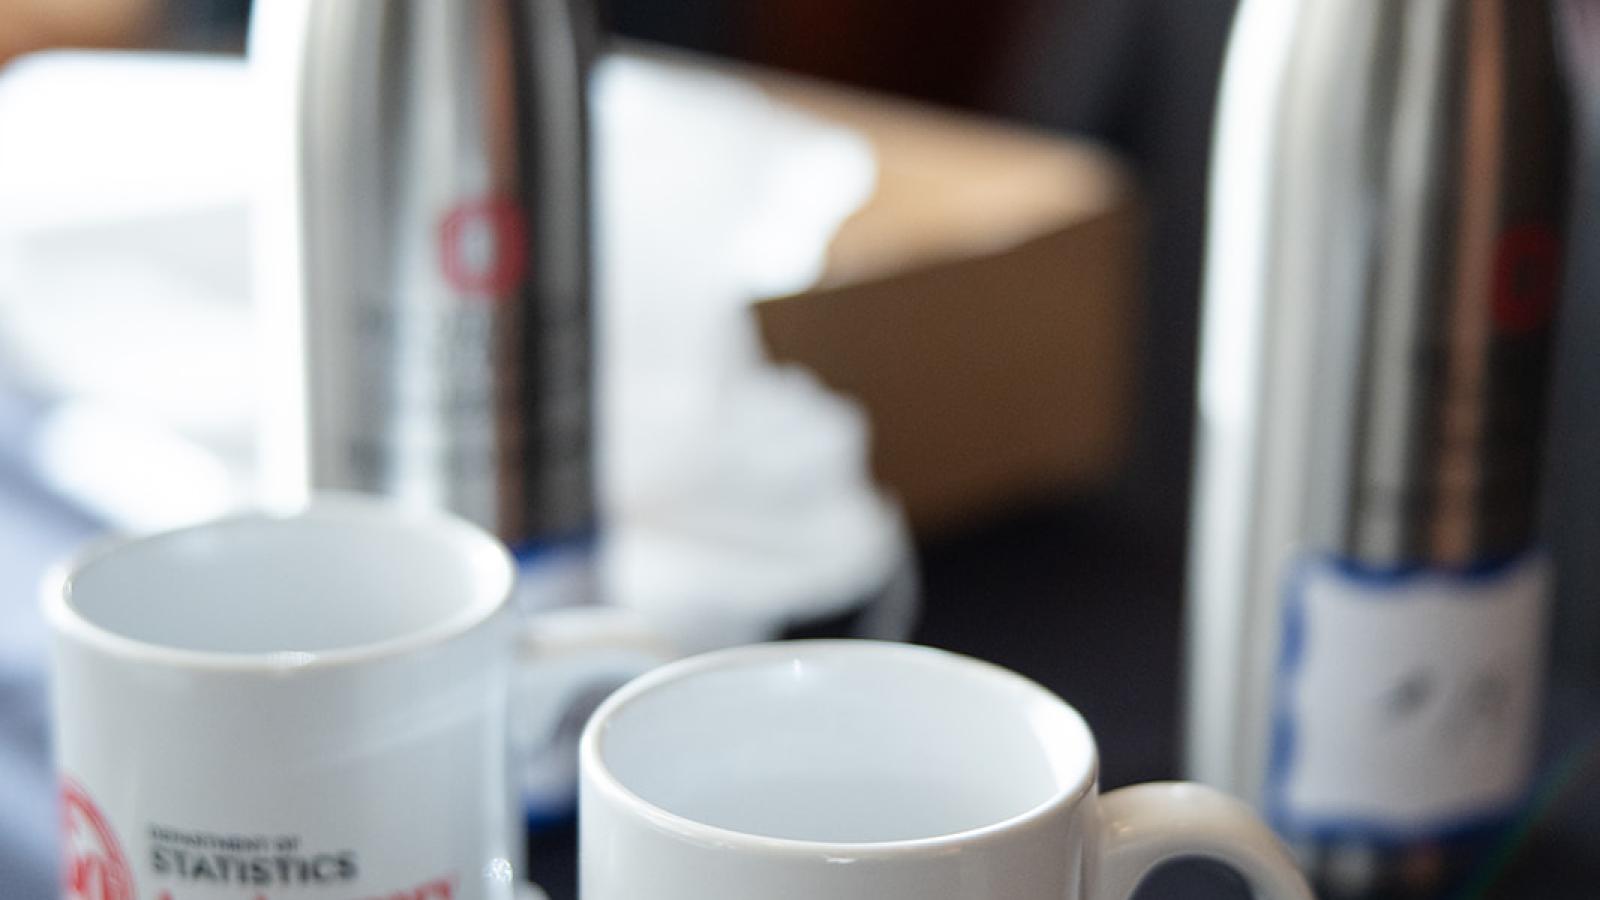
(949, 51)
(1141, 75)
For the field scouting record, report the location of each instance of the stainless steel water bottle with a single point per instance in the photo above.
(424, 256)
(1366, 589)
(423, 279)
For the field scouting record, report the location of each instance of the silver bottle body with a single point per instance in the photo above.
(425, 293)
(1384, 250)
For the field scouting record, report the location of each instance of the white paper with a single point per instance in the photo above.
(1413, 701)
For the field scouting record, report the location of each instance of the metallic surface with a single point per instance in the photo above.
(445, 319)
(1450, 206)
(1388, 203)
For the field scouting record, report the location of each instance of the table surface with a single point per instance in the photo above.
(1090, 605)
(1068, 596)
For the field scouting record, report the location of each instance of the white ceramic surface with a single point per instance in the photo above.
(309, 705)
(874, 771)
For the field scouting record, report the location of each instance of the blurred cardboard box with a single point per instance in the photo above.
(27, 25)
(983, 307)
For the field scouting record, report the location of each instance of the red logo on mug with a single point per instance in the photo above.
(483, 247)
(94, 867)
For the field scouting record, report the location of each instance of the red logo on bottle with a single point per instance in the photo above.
(94, 867)
(1527, 278)
(483, 247)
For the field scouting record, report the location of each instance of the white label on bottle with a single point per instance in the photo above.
(1409, 704)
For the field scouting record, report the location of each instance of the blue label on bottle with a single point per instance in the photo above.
(556, 573)
(1407, 701)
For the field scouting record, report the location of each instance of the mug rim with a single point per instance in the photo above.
(594, 771)
(491, 558)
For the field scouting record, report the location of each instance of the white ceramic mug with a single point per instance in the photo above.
(872, 771)
(296, 706)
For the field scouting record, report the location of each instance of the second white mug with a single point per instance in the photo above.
(873, 771)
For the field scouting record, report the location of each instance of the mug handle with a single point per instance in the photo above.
(1150, 824)
(567, 660)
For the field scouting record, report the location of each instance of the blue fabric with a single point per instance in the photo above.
(36, 530)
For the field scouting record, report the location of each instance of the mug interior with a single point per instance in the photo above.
(341, 575)
(841, 743)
